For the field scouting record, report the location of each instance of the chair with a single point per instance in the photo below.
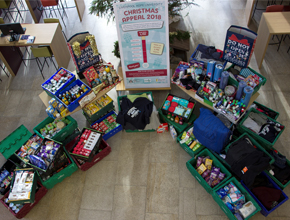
(6, 6)
(45, 52)
(50, 4)
(54, 20)
(275, 8)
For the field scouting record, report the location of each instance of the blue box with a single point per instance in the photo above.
(112, 132)
(224, 63)
(52, 94)
(72, 106)
(264, 210)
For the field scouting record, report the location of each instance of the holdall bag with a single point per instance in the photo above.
(239, 45)
(210, 131)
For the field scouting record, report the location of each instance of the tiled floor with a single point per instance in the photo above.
(145, 176)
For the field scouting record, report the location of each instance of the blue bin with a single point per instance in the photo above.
(224, 63)
(264, 210)
(112, 132)
(52, 94)
(72, 106)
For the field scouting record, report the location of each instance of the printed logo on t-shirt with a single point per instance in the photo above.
(133, 112)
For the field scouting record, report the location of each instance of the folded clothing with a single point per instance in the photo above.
(269, 197)
(270, 131)
(245, 160)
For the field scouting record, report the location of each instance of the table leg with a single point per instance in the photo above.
(59, 49)
(80, 5)
(262, 41)
(249, 10)
(33, 6)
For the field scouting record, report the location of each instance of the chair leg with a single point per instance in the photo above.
(39, 66)
(53, 63)
(64, 35)
(280, 41)
(288, 49)
(45, 61)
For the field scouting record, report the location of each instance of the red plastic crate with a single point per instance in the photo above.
(27, 207)
(106, 149)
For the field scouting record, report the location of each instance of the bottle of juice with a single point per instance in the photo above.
(180, 121)
(176, 119)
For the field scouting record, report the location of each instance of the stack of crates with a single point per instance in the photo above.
(163, 115)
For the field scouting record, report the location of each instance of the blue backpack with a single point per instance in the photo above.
(210, 131)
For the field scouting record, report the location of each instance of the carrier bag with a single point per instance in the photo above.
(210, 131)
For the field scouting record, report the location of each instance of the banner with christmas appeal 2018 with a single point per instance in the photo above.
(144, 43)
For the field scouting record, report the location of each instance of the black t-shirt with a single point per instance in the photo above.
(137, 113)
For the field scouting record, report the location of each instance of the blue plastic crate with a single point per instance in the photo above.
(52, 94)
(112, 132)
(72, 106)
(264, 210)
(224, 63)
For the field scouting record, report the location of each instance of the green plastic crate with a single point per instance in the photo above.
(266, 144)
(63, 134)
(282, 186)
(61, 175)
(14, 141)
(216, 163)
(255, 143)
(109, 107)
(33, 188)
(183, 118)
(260, 105)
(186, 148)
(178, 127)
(236, 83)
(248, 197)
(76, 133)
(119, 98)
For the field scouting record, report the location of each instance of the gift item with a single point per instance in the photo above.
(55, 108)
(107, 125)
(180, 108)
(236, 201)
(29, 147)
(212, 175)
(72, 94)
(22, 186)
(87, 145)
(45, 154)
(5, 179)
(59, 79)
(51, 129)
(162, 128)
(105, 74)
(14, 207)
(97, 105)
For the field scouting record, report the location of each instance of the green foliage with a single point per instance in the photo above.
(179, 35)
(104, 8)
(116, 51)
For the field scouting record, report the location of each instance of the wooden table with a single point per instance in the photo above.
(192, 94)
(249, 10)
(274, 23)
(33, 6)
(45, 34)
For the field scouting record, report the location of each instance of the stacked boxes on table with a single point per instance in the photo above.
(71, 94)
(61, 79)
(98, 108)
